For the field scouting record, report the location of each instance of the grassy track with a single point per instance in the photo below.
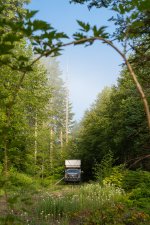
(88, 204)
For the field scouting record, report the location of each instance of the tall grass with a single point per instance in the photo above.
(72, 204)
(91, 197)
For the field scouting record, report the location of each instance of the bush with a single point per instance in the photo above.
(119, 214)
(136, 183)
(135, 179)
(18, 180)
(140, 198)
(116, 177)
(103, 169)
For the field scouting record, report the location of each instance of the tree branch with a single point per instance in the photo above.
(138, 160)
(90, 39)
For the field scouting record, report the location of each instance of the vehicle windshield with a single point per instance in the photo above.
(72, 171)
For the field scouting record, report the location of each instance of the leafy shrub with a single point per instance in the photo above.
(127, 179)
(1, 176)
(135, 179)
(10, 220)
(1, 168)
(137, 184)
(116, 176)
(119, 214)
(141, 198)
(46, 182)
(103, 169)
(21, 180)
(58, 171)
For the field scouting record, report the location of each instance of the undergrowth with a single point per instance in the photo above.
(112, 202)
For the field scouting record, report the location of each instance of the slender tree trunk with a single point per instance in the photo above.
(141, 92)
(51, 148)
(35, 140)
(6, 173)
(5, 139)
(42, 167)
(5, 156)
(6, 149)
(67, 116)
(61, 138)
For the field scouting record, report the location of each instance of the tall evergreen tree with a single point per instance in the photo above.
(59, 109)
(31, 100)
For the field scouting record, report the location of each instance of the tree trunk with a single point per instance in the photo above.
(35, 140)
(67, 116)
(5, 156)
(61, 138)
(51, 148)
(141, 92)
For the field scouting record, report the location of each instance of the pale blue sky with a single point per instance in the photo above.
(89, 69)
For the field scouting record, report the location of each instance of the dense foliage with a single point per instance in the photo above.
(36, 121)
(115, 122)
(32, 118)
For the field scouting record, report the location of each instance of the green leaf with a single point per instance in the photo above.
(50, 35)
(57, 53)
(30, 14)
(95, 31)
(122, 10)
(28, 31)
(5, 48)
(78, 36)
(11, 37)
(100, 32)
(40, 25)
(2, 8)
(38, 50)
(85, 26)
(23, 58)
(89, 43)
(134, 15)
(61, 35)
(144, 5)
